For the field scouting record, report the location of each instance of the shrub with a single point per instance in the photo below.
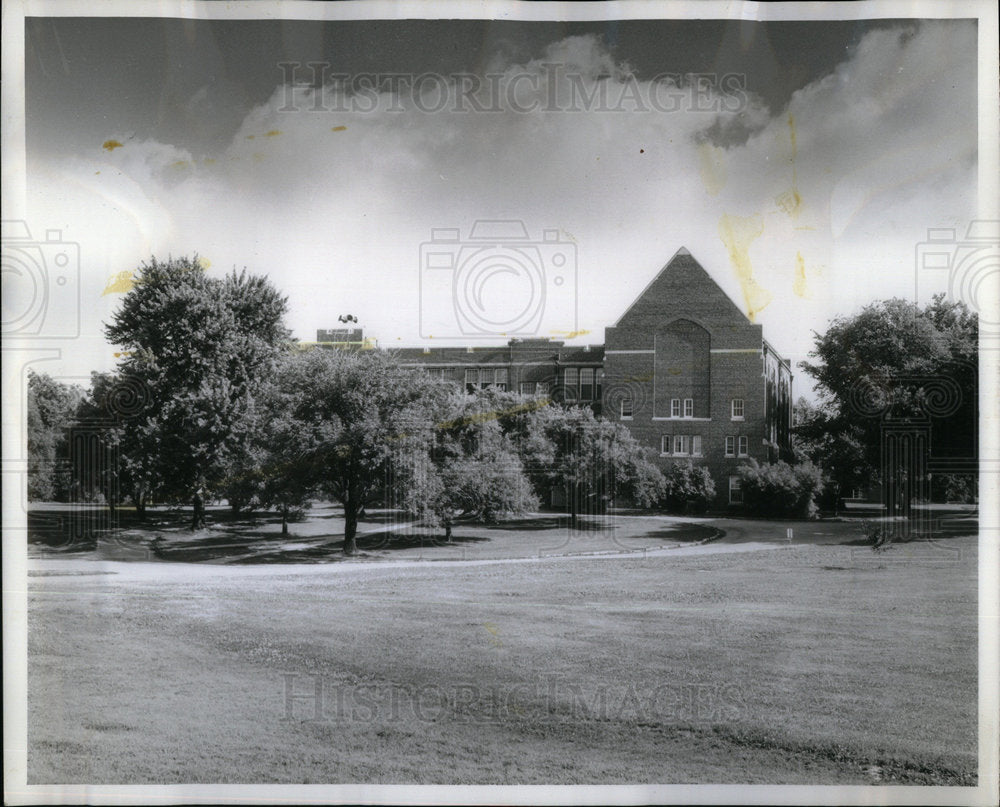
(955, 488)
(780, 489)
(687, 489)
(645, 484)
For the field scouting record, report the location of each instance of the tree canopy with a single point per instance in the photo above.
(592, 459)
(200, 348)
(363, 414)
(894, 365)
(472, 468)
(51, 410)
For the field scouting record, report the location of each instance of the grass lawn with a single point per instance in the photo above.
(809, 663)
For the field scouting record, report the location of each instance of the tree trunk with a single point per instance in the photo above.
(284, 521)
(573, 506)
(447, 532)
(140, 504)
(198, 512)
(350, 531)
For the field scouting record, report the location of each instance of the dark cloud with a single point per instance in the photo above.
(159, 77)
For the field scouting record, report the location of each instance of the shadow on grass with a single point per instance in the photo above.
(267, 548)
(67, 525)
(399, 540)
(241, 549)
(940, 530)
(686, 533)
(253, 537)
(369, 546)
(318, 553)
(557, 521)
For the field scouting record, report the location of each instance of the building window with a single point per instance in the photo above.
(682, 444)
(542, 388)
(500, 379)
(527, 387)
(665, 443)
(626, 408)
(675, 407)
(587, 384)
(696, 445)
(744, 446)
(730, 446)
(598, 385)
(737, 409)
(571, 380)
(471, 380)
(689, 407)
(735, 490)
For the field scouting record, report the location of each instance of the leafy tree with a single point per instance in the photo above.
(596, 460)
(960, 488)
(109, 450)
(780, 489)
(687, 488)
(281, 469)
(97, 463)
(366, 415)
(832, 443)
(472, 469)
(895, 361)
(51, 411)
(203, 348)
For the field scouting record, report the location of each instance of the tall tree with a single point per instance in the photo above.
(832, 443)
(51, 411)
(97, 466)
(202, 347)
(471, 469)
(894, 367)
(593, 459)
(364, 415)
(282, 468)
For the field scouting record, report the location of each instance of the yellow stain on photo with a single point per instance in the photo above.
(738, 233)
(120, 283)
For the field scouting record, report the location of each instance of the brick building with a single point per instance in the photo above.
(692, 377)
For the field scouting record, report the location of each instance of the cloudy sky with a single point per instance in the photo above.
(803, 170)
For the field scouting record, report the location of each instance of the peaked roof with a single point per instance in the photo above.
(682, 260)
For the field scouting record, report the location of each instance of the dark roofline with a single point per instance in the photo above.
(777, 354)
(680, 253)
